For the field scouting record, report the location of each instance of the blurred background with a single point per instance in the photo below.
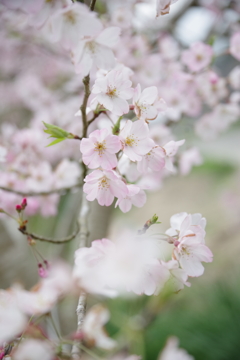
(206, 316)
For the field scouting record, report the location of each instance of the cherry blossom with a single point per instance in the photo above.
(66, 174)
(113, 91)
(69, 24)
(154, 160)
(177, 276)
(100, 149)
(235, 45)
(188, 159)
(44, 295)
(171, 351)
(197, 57)
(163, 6)
(93, 331)
(104, 185)
(96, 51)
(147, 103)
(129, 264)
(135, 139)
(190, 249)
(12, 319)
(38, 349)
(135, 196)
(171, 149)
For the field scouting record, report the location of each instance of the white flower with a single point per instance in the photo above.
(96, 51)
(93, 330)
(34, 349)
(113, 90)
(69, 24)
(147, 103)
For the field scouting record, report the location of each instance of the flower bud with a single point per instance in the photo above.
(24, 203)
(18, 208)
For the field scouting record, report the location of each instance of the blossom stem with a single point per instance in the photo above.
(50, 240)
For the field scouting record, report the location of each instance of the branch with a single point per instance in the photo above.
(40, 193)
(50, 240)
(92, 5)
(81, 308)
(87, 92)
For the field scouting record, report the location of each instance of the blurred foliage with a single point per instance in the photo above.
(205, 318)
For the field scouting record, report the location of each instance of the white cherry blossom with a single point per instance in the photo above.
(96, 51)
(70, 23)
(113, 91)
(135, 139)
(93, 331)
(147, 103)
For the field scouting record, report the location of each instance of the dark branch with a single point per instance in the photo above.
(50, 240)
(92, 5)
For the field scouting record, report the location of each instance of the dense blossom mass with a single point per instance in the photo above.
(119, 102)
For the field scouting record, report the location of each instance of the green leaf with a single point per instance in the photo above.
(55, 142)
(55, 131)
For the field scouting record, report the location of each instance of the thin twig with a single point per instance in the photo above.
(50, 240)
(40, 193)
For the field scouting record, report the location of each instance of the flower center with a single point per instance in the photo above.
(91, 46)
(111, 92)
(70, 17)
(131, 141)
(100, 147)
(103, 183)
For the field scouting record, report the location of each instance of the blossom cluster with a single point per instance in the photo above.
(135, 263)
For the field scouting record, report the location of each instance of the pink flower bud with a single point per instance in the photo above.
(24, 203)
(2, 353)
(18, 208)
(42, 272)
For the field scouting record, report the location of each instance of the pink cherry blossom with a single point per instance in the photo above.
(96, 51)
(136, 196)
(171, 149)
(113, 91)
(104, 185)
(235, 45)
(93, 330)
(69, 24)
(135, 139)
(38, 349)
(197, 57)
(154, 160)
(100, 149)
(147, 103)
(163, 6)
